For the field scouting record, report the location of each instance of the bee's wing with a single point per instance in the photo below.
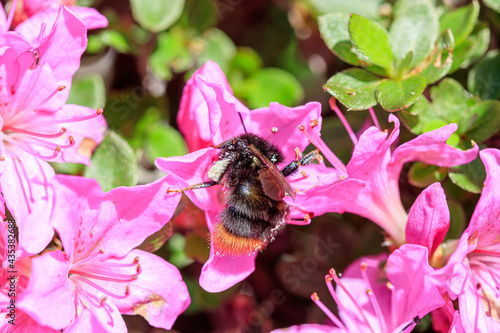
(273, 182)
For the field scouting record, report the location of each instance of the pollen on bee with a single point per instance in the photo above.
(226, 243)
(217, 170)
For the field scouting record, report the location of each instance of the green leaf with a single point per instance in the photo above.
(403, 65)
(398, 95)
(450, 101)
(422, 175)
(487, 115)
(414, 116)
(68, 168)
(88, 90)
(176, 245)
(366, 8)
(163, 141)
(493, 4)
(457, 220)
(371, 40)
(484, 78)
(472, 49)
(156, 15)
(334, 31)
(196, 247)
(354, 87)
(415, 28)
(442, 59)
(113, 163)
(116, 40)
(469, 177)
(201, 14)
(171, 54)
(461, 21)
(246, 60)
(155, 241)
(270, 85)
(217, 46)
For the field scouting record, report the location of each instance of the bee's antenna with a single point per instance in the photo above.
(241, 118)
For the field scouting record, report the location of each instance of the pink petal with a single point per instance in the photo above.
(340, 196)
(78, 202)
(159, 294)
(9, 73)
(429, 219)
(379, 201)
(192, 169)
(456, 326)
(121, 211)
(48, 298)
(409, 271)
(473, 313)
(486, 217)
(90, 16)
(222, 272)
(223, 109)
(454, 275)
(431, 148)
(24, 323)
(309, 328)
(279, 124)
(25, 183)
(98, 320)
(193, 116)
(32, 7)
(125, 208)
(60, 50)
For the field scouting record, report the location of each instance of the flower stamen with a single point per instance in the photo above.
(327, 311)
(58, 89)
(344, 121)
(321, 145)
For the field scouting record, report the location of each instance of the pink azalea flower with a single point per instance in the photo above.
(99, 275)
(368, 301)
(473, 270)
(368, 185)
(35, 79)
(213, 113)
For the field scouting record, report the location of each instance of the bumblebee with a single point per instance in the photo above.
(254, 191)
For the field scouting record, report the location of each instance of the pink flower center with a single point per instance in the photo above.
(486, 277)
(42, 137)
(88, 275)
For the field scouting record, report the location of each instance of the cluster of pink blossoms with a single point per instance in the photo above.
(386, 293)
(97, 274)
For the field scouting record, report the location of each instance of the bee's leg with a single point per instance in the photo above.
(306, 159)
(193, 187)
